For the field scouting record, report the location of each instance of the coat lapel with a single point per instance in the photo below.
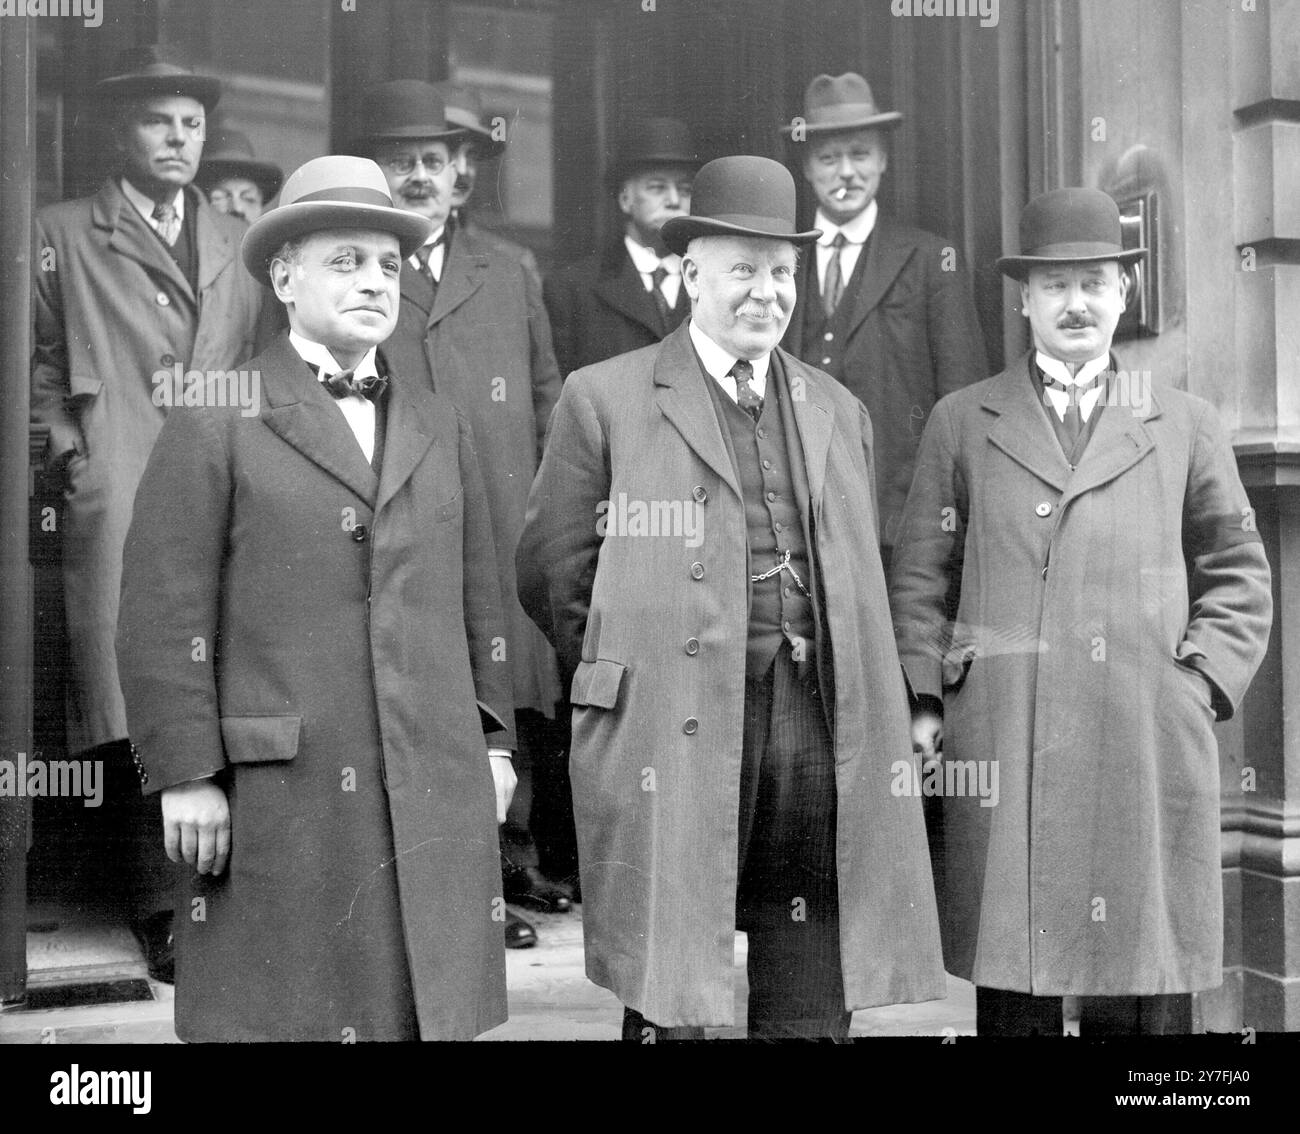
(413, 424)
(215, 249)
(299, 410)
(813, 417)
(1022, 430)
(1117, 444)
(886, 254)
(622, 290)
(463, 270)
(130, 236)
(684, 401)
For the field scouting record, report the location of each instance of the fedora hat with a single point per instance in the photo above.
(841, 102)
(157, 69)
(229, 153)
(1069, 226)
(466, 111)
(404, 109)
(653, 142)
(331, 192)
(739, 196)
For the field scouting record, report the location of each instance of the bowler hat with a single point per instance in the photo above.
(841, 102)
(331, 192)
(1069, 226)
(402, 110)
(157, 69)
(229, 153)
(653, 142)
(466, 111)
(739, 196)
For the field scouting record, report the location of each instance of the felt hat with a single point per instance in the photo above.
(653, 142)
(403, 110)
(465, 110)
(841, 102)
(1069, 226)
(157, 69)
(229, 153)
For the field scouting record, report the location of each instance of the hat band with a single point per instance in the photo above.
(846, 112)
(777, 226)
(346, 195)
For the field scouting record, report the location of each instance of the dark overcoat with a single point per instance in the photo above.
(112, 309)
(323, 642)
(912, 337)
(656, 630)
(600, 308)
(1063, 616)
(486, 345)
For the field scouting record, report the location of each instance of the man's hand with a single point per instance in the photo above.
(196, 825)
(927, 734)
(504, 780)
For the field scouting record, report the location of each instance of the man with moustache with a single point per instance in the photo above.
(234, 180)
(138, 278)
(737, 699)
(472, 326)
(1079, 593)
(332, 763)
(884, 307)
(629, 295)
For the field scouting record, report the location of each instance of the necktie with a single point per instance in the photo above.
(746, 396)
(1073, 422)
(169, 224)
(346, 384)
(422, 254)
(657, 278)
(833, 288)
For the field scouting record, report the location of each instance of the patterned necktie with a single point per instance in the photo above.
(833, 288)
(1073, 422)
(346, 384)
(657, 278)
(747, 397)
(169, 224)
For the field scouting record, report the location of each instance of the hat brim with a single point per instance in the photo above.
(678, 232)
(267, 177)
(885, 121)
(481, 139)
(203, 88)
(286, 222)
(364, 143)
(1017, 267)
(620, 171)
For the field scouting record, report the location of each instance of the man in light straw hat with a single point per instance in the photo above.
(308, 621)
(701, 549)
(1114, 603)
(884, 307)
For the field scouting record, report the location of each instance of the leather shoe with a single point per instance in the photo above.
(158, 944)
(525, 886)
(519, 934)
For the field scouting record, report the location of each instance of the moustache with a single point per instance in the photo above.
(1075, 324)
(418, 192)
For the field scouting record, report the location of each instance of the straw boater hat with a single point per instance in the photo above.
(653, 142)
(331, 192)
(1069, 226)
(229, 153)
(463, 109)
(403, 110)
(157, 69)
(739, 196)
(841, 102)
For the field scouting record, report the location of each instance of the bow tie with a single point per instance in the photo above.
(346, 384)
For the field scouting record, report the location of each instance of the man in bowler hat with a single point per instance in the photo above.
(701, 550)
(884, 307)
(629, 294)
(309, 615)
(141, 277)
(1079, 593)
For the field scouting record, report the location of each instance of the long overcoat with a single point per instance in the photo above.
(656, 628)
(1063, 615)
(486, 345)
(912, 336)
(319, 639)
(112, 309)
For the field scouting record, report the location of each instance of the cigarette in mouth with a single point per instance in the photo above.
(841, 193)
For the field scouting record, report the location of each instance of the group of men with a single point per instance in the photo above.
(606, 538)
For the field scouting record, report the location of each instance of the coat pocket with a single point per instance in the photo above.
(260, 740)
(596, 683)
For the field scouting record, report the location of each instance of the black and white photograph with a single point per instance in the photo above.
(734, 525)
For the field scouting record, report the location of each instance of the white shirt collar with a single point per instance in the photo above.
(646, 260)
(435, 257)
(319, 357)
(1055, 368)
(718, 363)
(145, 205)
(855, 231)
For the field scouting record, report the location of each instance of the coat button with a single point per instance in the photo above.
(829, 336)
(359, 533)
(1044, 509)
(762, 433)
(771, 496)
(826, 361)
(692, 646)
(168, 359)
(691, 726)
(163, 301)
(697, 570)
(767, 464)
(700, 493)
